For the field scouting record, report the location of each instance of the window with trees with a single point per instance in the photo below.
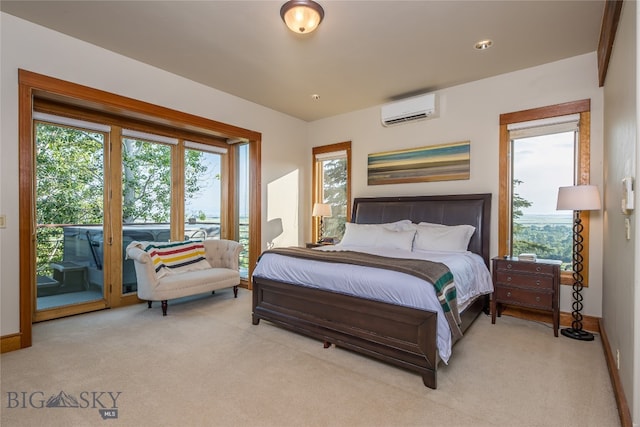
(332, 185)
(71, 202)
(541, 150)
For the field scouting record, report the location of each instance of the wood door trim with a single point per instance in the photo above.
(32, 85)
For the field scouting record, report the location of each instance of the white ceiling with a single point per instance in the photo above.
(364, 53)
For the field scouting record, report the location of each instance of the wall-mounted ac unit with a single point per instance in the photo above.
(406, 110)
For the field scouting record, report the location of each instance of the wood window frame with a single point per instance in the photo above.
(317, 181)
(53, 95)
(582, 107)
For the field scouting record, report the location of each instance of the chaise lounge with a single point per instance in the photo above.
(168, 270)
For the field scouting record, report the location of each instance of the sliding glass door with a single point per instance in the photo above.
(69, 211)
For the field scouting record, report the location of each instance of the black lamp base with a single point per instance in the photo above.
(577, 334)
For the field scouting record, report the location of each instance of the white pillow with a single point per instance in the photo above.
(439, 237)
(360, 234)
(402, 225)
(377, 235)
(395, 239)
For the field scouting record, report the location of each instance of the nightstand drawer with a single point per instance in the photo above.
(529, 267)
(515, 279)
(543, 300)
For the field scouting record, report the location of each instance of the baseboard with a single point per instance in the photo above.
(623, 407)
(10, 343)
(589, 323)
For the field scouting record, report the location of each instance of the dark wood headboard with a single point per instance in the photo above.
(472, 209)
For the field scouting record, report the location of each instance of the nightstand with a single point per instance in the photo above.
(529, 284)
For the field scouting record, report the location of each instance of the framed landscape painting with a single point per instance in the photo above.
(443, 162)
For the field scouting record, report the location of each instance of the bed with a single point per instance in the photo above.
(397, 334)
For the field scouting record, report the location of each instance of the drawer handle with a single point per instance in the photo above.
(509, 266)
(537, 299)
(538, 268)
(508, 294)
(508, 278)
(538, 282)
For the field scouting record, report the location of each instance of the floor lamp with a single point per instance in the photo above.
(321, 210)
(578, 198)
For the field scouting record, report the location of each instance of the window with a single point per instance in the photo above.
(202, 187)
(541, 150)
(332, 185)
(243, 190)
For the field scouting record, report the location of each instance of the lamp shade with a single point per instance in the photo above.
(578, 198)
(321, 209)
(302, 16)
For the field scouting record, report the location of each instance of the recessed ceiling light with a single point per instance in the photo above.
(484, 44)
(315, 96)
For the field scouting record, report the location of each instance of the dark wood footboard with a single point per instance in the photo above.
(402, 336)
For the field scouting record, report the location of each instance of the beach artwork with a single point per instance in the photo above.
(443, 162)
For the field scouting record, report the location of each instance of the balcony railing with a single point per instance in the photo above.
(62, 247)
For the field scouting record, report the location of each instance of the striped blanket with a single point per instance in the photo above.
(435, 273)
(176, 257)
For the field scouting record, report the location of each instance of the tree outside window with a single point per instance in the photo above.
(331, 169)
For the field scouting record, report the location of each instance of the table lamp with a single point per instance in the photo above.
(322, 210)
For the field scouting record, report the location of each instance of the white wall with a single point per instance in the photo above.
(471, 112)
(34, 48)
(621, 256)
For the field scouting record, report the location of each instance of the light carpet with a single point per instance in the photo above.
(205, 364)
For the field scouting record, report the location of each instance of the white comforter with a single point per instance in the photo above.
(471, 278)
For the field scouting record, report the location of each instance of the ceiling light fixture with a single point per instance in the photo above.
(484, 44)
(302, 16)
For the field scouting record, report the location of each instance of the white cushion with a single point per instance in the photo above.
(438, 237)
